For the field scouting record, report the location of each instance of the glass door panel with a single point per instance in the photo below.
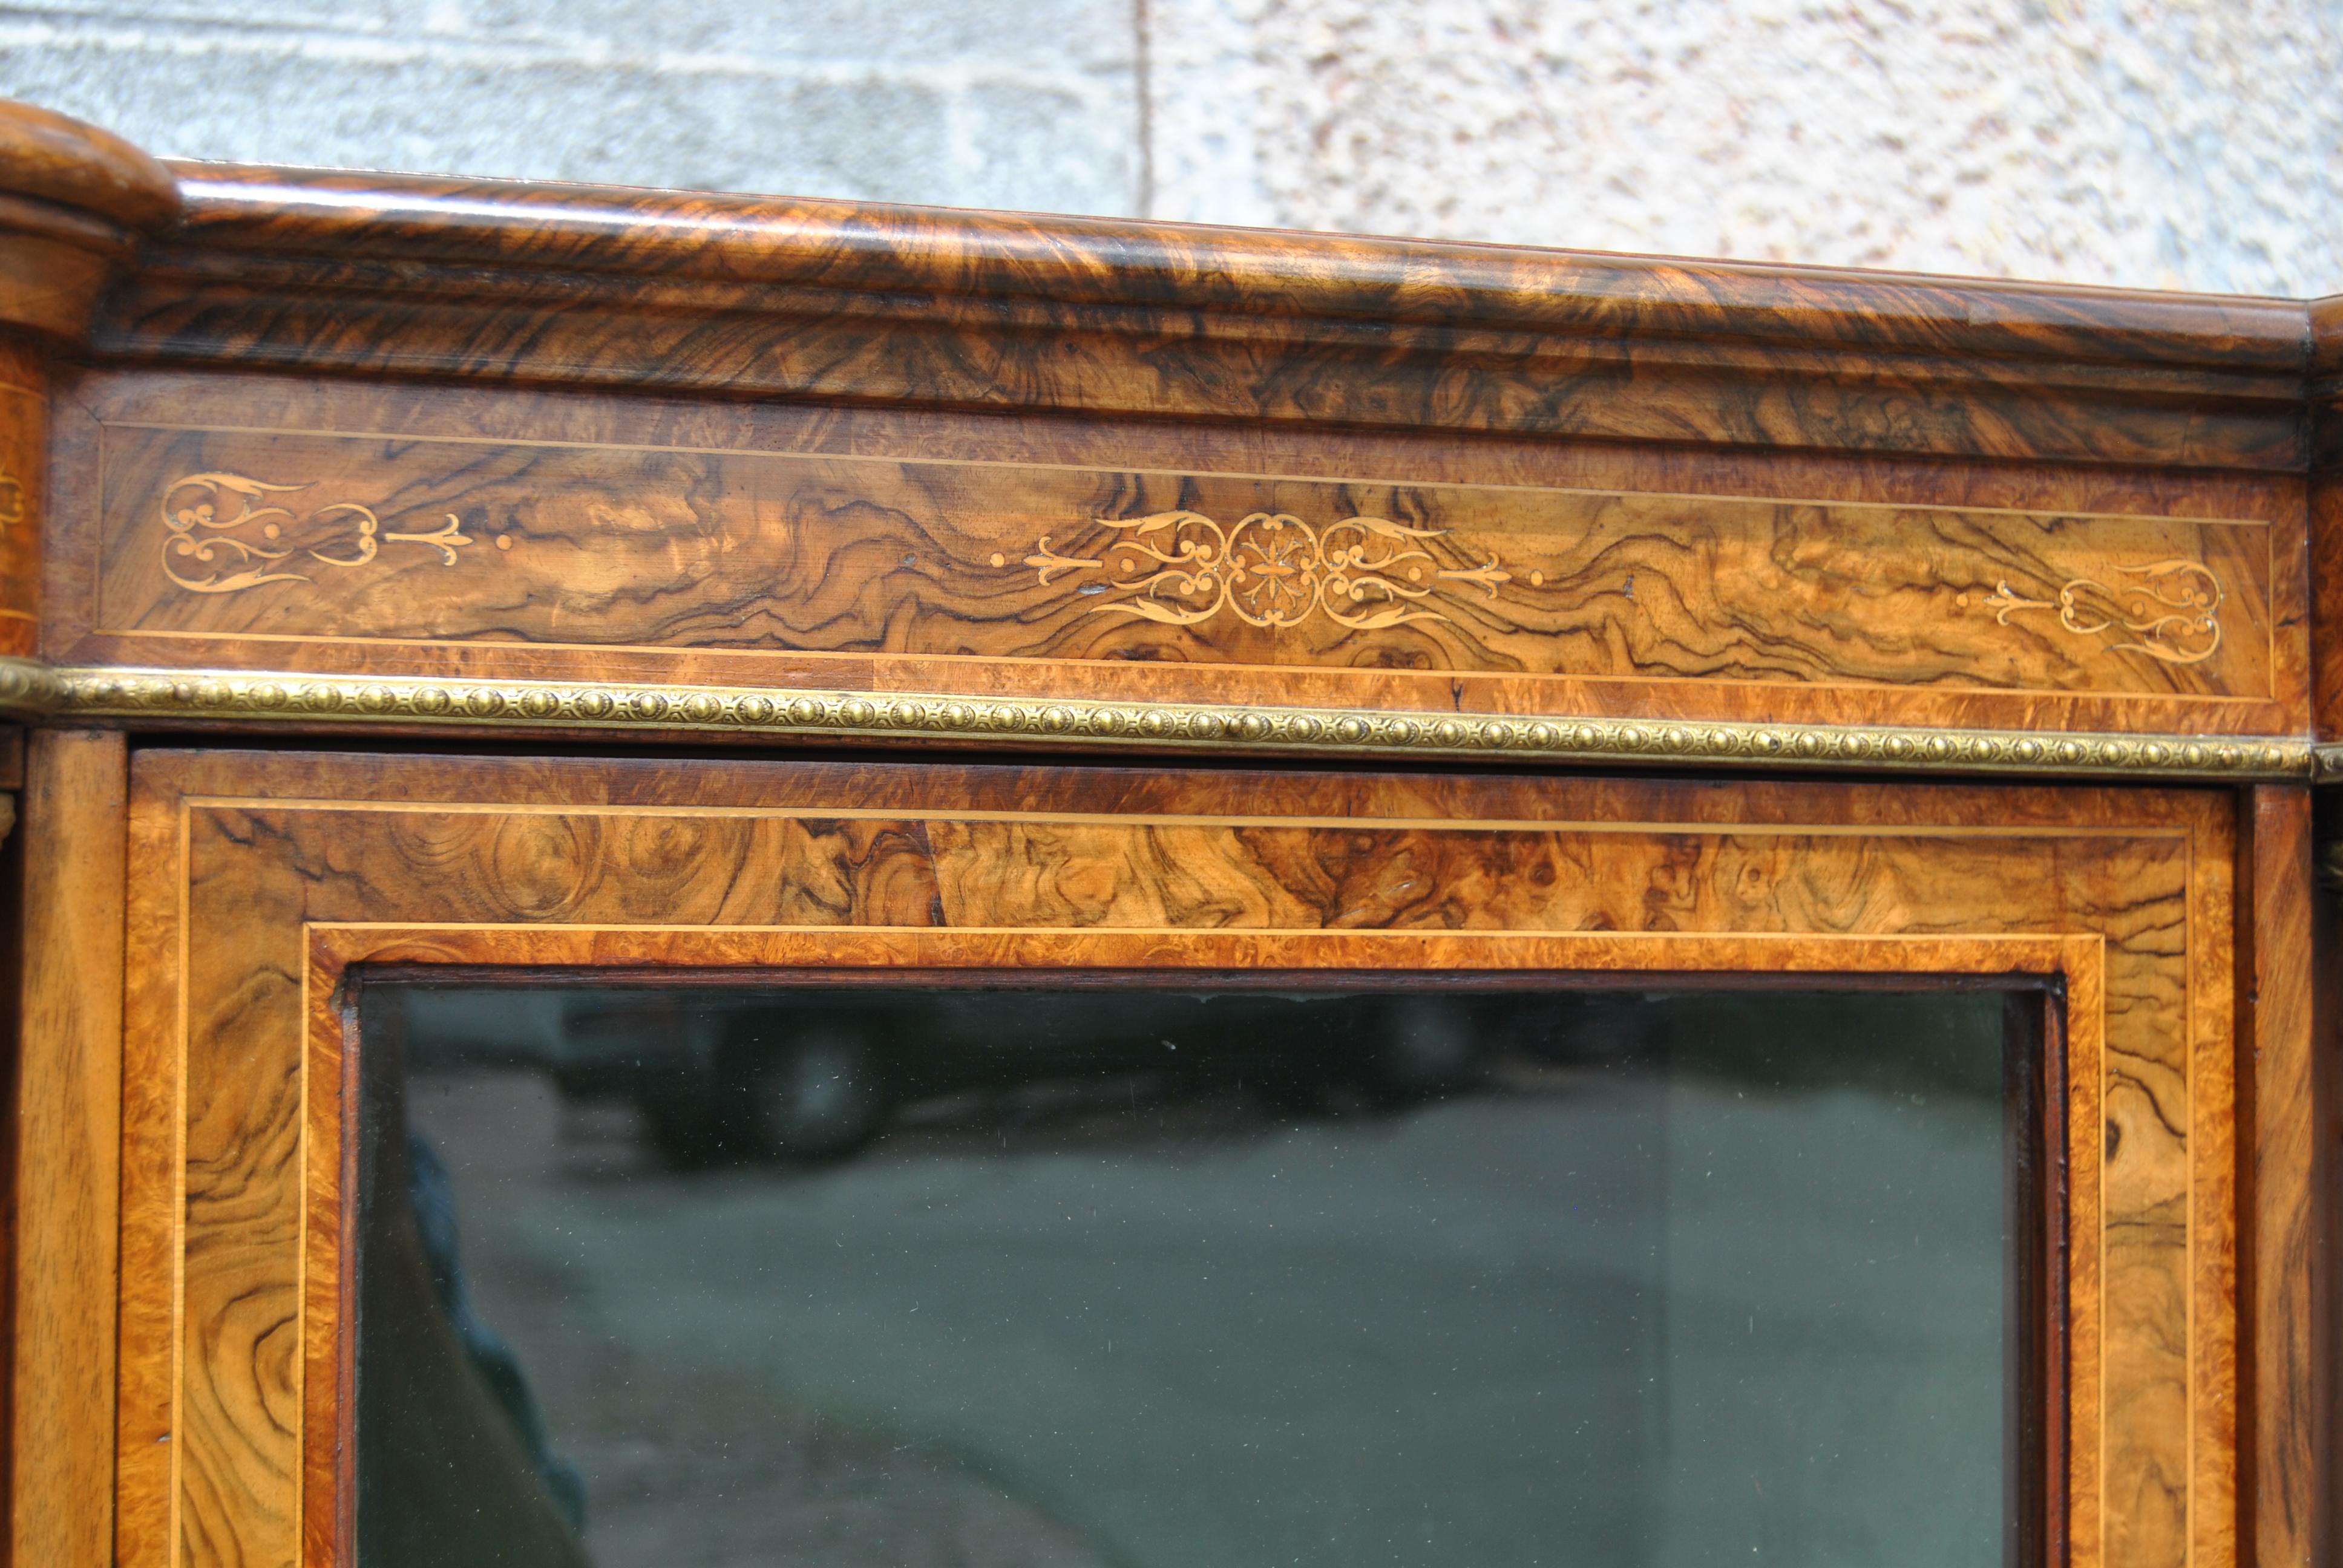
(1376, 1270)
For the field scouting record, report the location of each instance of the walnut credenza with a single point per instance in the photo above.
(403, 572)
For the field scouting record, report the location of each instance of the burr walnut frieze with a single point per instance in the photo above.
(269, 548)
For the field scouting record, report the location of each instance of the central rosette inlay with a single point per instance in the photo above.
(1268, 569)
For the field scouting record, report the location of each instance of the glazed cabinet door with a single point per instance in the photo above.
(633, 1162)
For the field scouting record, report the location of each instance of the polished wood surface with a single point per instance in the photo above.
(257, 877)
(499, 281)
(73, 199)
(230, 535)
(67, 1146)
(68, 163)
(2287, 1099)
(23, 490)
(266, 524)
(2323, 418)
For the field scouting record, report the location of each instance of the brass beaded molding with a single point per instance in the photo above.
(37, 690)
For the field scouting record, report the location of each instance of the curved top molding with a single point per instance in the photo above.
(73, 200)
(367, 273)
(53, 159)
(966, 258)
(499, 281)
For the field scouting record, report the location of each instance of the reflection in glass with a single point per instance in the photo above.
(1175, 1279)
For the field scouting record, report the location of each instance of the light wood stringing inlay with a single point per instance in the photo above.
(577, 546)
(993, 866)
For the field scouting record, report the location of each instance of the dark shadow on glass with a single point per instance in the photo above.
(950, 1270)
(454, 1468)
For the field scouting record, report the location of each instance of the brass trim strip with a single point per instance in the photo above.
(37, 690)
(29, 689)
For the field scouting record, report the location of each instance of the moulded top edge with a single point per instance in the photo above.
(495, 226)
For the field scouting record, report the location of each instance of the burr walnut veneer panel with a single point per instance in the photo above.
(258, 881)
(254, 523)
(501, 282)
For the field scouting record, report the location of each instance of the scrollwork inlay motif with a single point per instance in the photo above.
(194, 530)
(2170, 610)
(1268, 569)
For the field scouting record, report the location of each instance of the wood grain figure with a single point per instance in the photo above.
(246, 863)
(300, 538)
(242, 528)
(67, 1143)
(2290, 1164)
(374, 274)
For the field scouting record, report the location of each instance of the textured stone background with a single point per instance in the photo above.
(2192, 144)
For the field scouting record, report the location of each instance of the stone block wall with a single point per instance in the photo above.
(972, 103)
(2192, 144)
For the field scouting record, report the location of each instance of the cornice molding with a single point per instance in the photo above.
(75, 203)
(294, 701)
(501, 283)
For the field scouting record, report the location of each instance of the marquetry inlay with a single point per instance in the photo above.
(1267, 568)
(243, 547)
(2169, 610)
(318, 537)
